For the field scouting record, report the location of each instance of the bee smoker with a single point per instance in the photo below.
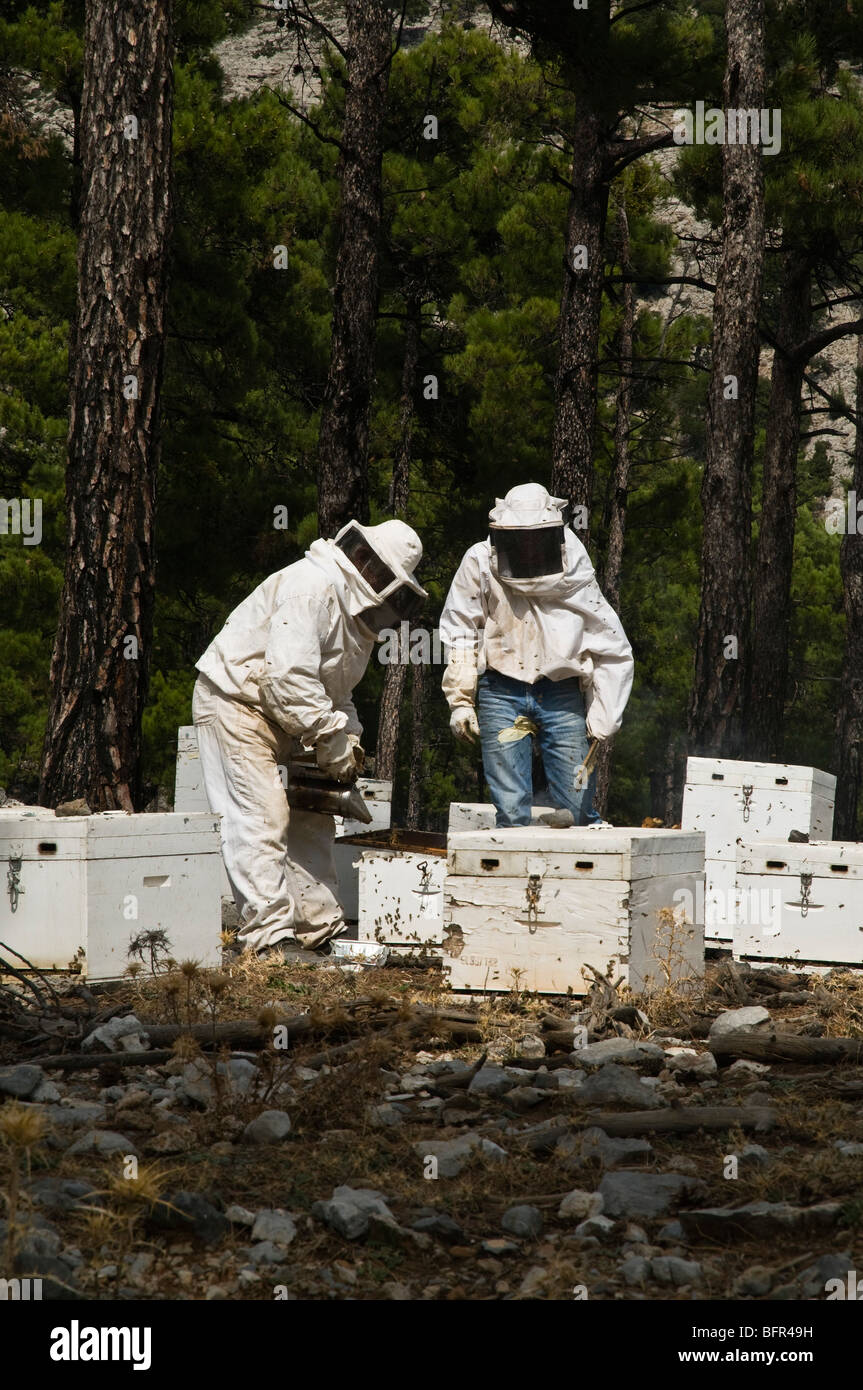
(309, 789)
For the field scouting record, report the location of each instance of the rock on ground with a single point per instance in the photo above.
(20, 1081)
(646, 1195)
(738, 1021)
(348, 1210)
(524, 1221)
(270, 1127)
(617, 1085)
(758, 1220)
(621, 1050)
(453, 1154)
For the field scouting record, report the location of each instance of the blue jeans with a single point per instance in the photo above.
(557, 709)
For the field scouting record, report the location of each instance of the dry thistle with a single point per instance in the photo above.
(21, 1126)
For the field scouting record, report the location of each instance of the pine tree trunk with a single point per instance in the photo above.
(619, 484)
(723, 643)
(344, 434)
(772, 606)
(418, 742)
(389, 719)
(99, 669)
(578, 326)
(848, 744)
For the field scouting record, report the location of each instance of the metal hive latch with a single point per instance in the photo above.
(747, 798)
(426, 893)
(13, 881)
(805, 890)
(533, 893)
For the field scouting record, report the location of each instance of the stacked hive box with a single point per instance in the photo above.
(535, 907)
(377, 794)
(401, 888)
(805, 903)
(750, 802)
(79, 889)
(401, 882)
(189, 795)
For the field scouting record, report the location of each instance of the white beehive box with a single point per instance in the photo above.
(189, 795)
(401, 894)
(377, 794)
(801, 902)
(189, 792)
(479, 815)
(533, 906)
(731, 800)
(90, 884)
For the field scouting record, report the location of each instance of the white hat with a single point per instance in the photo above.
(528, 505)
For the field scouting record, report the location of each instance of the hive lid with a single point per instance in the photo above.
(837, 859)
(728, 772)
(579, 840)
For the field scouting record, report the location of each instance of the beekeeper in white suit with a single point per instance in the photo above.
(277, 682)
(535, 651)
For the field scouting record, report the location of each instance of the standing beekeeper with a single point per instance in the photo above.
(535, 651)
(277, 683)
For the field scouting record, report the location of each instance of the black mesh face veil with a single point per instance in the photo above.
(527, 552)
(399, 607)
(366, 560)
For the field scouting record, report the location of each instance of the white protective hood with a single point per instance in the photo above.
(562, 627)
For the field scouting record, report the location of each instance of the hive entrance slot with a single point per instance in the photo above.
(489, 864)
(776, 864)
(47, 847)
(584, 863)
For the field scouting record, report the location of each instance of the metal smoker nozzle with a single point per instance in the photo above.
(310, 790)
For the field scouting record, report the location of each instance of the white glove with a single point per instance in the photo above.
(591, 732)
(335, 755)
(463, 723)
(460, 676)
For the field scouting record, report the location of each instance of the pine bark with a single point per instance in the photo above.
(386, 759)
(343, 491)
(578, 325)
(418, 743)
(99, 670)
(775, 559)
(717, 708)
(848, 745)
(613, 568)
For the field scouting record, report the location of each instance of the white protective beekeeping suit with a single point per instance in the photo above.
(556, 625)
(278, 681)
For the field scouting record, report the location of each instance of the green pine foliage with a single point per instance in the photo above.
(473, 234)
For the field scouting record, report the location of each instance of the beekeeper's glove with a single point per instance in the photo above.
(463, 723)
(335, 754)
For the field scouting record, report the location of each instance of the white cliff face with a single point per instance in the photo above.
(268, 56)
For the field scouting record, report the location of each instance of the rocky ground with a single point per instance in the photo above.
(369, 1136)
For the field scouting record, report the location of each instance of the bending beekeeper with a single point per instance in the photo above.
(535, 651)
(275, 684)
